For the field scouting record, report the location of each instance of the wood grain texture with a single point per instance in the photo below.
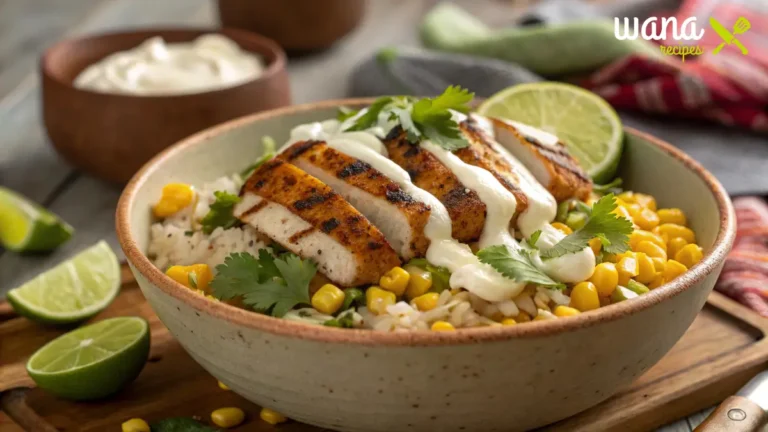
(172, 384)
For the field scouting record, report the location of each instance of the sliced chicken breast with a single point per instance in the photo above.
(308, 218)
(464, 206)
(546, 158)
(401, 218)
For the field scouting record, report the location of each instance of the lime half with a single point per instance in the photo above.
(583, 121)
(93, 361)
(73, 291)
(27, 227)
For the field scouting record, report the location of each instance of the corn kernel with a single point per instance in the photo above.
(651, 249)
(622, 212)
(595, 244)
(673, 216)
(605, 277)
(419, 282)
(328, 299)
(223, 386)
(646, 270)
(195, 276)
(175, 197)
(565, 311)
(565, 229)
(641, 235)
(625, 197)
(646, 201)
(395, 280)
(442, 326)
(689, 255)
(657, 281)
(610, 257)
(523, 317)
(272, 417)
(673, 269)
(426, 301)
(633, 209)
(584, 297)
(646, 219)
(227, 417)
(674, 245)
(508, 322)
(377, 300)
(627, 268)
(135, 425)
(659, 264)
(675, 230)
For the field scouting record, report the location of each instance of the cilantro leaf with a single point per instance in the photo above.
(371, 116)
(221, 212)
(266, 283)
(612, 230)
(516, 265)
(268, 147)
(345, 113)
(534, 238)
(181, 424)
(441, 276)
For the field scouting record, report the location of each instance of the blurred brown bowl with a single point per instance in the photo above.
(297, 25)
(112, 135)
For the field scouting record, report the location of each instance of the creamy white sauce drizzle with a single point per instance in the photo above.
(210, 62)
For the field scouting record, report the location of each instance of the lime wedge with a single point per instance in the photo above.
(584, 122)
(93, 361)
(73, 291)
(27, 227)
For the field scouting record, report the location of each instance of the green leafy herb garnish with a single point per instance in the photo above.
(268, 147)
(516, 265)
(345, 320)
(441, 276)
(221, 212)
(345, 113)
(612, 230)
(181, 424)
(189, 233)
(534, 238)
(192, 278)
(266, 284)
(352, 296)
(425, 118)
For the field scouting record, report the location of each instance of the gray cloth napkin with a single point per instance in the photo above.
(736, 157)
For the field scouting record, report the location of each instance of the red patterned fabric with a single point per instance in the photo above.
(728, 88)
(745, 274)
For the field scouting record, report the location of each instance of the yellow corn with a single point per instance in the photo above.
(595, 245)
(328, 299)
(673, 216)
(272, 417)
(175, 196)
(565, 229)
(522, 317)
(689, 255)
(674, 230)
(646, 270)
(508, 321)
(395, 280)
(227, 417)
(627, 268)
(673, 269)
(377, 300)
(605, 278)
(638, 236)
(646, 219)
(659, 264)
(426, 301)
(419, 283)
(633, 209)
(651, 249)
(646, 201)
(565, 311)
(135, 425)
(622, 212)
(442, 326)
(657, 281)
(584, 296)
(223, 386)
(195, 276)
(674, 245)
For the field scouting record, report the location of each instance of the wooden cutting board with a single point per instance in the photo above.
(724, 348)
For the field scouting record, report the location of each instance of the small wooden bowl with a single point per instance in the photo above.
(112, 135)
(297, 25)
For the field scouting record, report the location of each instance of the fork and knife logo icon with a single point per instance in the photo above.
(740, 27)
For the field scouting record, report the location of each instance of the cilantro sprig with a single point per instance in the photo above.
(425, 118)
(612, 230)
(221, 213)
(268, 284)
(516, 265)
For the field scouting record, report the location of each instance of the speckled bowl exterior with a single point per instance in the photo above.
(502, 379)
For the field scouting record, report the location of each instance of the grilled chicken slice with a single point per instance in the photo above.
(382, 201)
(464, 206)
(308, 218)
(546, 158)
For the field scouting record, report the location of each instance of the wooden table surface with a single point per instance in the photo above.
(29, 165)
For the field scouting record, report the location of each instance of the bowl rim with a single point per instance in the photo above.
(278, 326)
(236, 34)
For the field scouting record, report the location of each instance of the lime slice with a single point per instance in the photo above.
(73, 291)
(583, 121)
(93, 361)
(27, 227)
